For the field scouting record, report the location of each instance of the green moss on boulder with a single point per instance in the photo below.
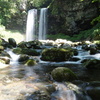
(17, 50)
(30, 62)
(92, 64)
(56, 54)
(63, 74)
(12, 42)
(23, 58)
(31, 52)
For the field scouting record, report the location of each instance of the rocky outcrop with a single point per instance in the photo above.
(72, 16)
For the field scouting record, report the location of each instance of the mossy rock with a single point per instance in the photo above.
(63, 74)
(23, 58)
(12, 42)
(30, 62)
(34, 44)
(1, 48)
(5, 44)
(31, 52)
(5, 54)
(85, 47)
(56, 54)
(93, 50)
(22, 44)
(74, 59)
(92, 64)
(17, 50)
(4, 60)
(75, 51)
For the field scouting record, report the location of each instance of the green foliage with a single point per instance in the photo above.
(39, 3)
(7, 9)
(97, 19)
(90, 34)
(58, 36)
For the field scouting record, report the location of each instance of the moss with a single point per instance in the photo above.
(56, 54)
(23, 58)
(92, 64)
(63, 74)
(12, 42)
(30, 62)
(17, 50)
(31, 52)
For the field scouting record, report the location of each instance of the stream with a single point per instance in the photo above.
(21, 82)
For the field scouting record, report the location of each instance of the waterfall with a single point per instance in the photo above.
(33, 30)
(43, 24)
(31, 27)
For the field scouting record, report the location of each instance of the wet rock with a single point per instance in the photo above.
(50, 88)
(63, 74)
(93, 50)
(39, 95)
(17, 50)
(33, 44)
(85, 47)
(5, 54)
(74, 59)
(23, 58)
(22, 44)
(5, 44)
(12, 42)
(31, 52)
(1, 48)
(75, 52)
(93, 90)
(5, 60)
(92, 64)
(30, 62)
(56, 54)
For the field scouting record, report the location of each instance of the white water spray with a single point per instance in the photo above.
(31, 26)
(63, 93)
(43, 24)
(33, 30)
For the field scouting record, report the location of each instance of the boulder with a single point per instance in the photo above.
(17, 50)
(31, 52)
(30, 62)
(22, 44)
(12, 42)
(34, 44)
(93, 50)
(5, 54)
(92, 64)
(23, 58)
(93, 90)
(56, 54)
(4, 60)
(1, 48)
(63, 74)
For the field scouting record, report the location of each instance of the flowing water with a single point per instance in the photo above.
(43, 24)
(33, 30)
(31, 27)
(63, 93)
(19, 81)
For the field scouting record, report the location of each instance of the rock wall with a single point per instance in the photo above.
(71, 16)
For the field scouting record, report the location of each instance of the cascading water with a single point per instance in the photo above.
(43, 24)
(31, 26)
(33, 30)
(63, 93)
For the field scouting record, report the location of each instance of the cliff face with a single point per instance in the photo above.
(71, 16)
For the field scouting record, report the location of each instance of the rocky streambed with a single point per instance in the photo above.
(27, 74)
